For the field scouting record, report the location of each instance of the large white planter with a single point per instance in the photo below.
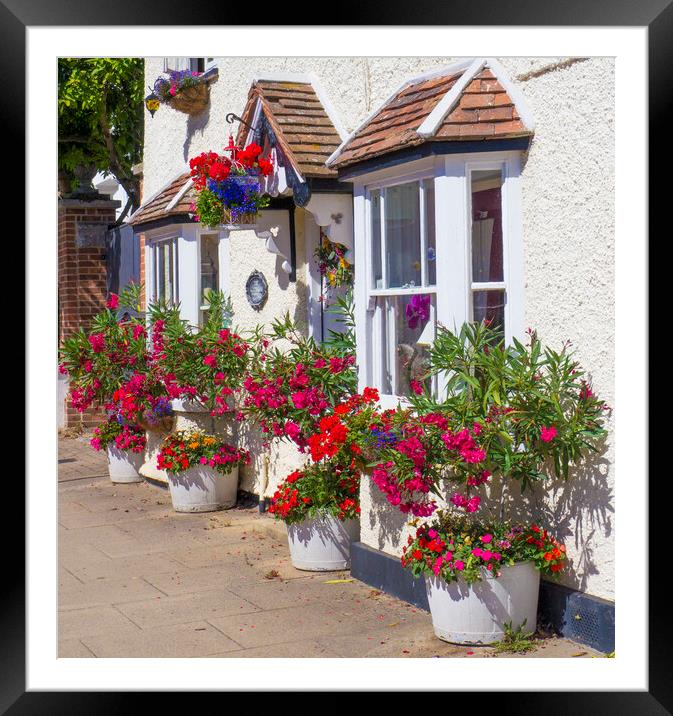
(322, 544)
(475, 614)
(202, 489)
(123, 465)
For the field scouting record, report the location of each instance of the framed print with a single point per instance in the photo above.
(434, 373)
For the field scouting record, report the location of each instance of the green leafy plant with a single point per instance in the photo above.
(534, 405)
(515, 641)
(100, 118)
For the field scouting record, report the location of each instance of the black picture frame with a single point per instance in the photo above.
(656, 15)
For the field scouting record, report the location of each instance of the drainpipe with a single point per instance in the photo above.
(263, 500)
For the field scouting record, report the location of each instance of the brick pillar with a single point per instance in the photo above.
(82, 274)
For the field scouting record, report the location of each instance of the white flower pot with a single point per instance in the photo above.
(322, 544)
(202, 489)
(123, 465)
(465, 613)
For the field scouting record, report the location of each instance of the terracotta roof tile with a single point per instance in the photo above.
(303, 129)
(483, 110)
(156, 207)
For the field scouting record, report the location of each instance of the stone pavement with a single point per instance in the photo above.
(137, 579)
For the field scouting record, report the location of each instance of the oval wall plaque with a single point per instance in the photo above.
(256, 290)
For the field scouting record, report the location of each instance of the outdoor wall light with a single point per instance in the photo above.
(152, 103)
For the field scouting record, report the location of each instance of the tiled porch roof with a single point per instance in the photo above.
(304, 130)
(470, 102)
(173, 200)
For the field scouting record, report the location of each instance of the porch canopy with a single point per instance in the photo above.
(468, 106)
(292, 119)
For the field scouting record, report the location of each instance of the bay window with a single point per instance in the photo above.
(440, 244)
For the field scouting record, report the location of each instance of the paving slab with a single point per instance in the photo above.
(175, 641)
(304, 623)
(105, 591)
(73, 649)
(77, 623)
(185, 608)
(288, 650)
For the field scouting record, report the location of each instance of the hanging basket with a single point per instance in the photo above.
(191, 100)
(247, 218)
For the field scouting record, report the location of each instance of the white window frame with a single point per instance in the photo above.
(155, 245)
(223, 259)
(453, 236)
(193, 62)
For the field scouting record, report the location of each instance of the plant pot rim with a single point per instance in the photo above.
(185, 405)
(486, 573)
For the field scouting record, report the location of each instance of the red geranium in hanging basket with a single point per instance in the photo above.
(229, 188)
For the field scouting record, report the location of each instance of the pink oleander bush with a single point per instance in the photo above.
(207, 365)
(100, 361)
(292, 382)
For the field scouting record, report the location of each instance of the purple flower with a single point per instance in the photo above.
(418, 310)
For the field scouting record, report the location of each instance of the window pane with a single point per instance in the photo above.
(407, 330)
(161, 276)
(375, 206)
(429, 191)
(209, 265)
(487, 264)
(403, 237)
(489, 306)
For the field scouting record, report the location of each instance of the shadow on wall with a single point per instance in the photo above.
(195, 123)
(386, 522)
(252, 476)
(578, 512)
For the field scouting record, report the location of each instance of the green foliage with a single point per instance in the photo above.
(515, 641)
(209, 209)
(342, 342)
(514, 392)
(100, 116)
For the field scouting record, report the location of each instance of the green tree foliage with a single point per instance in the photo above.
(100, 113)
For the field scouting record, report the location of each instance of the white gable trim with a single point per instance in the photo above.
(446, 70)
(433, 121)
(179, 195)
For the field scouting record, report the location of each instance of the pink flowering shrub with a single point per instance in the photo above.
(207, 365)
(99, 361)
(513, 411)
(292, 382)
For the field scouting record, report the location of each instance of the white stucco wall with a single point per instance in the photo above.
(568, 229)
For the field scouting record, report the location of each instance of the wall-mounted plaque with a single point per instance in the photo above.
(256, 290)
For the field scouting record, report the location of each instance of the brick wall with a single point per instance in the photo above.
(82, 275)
